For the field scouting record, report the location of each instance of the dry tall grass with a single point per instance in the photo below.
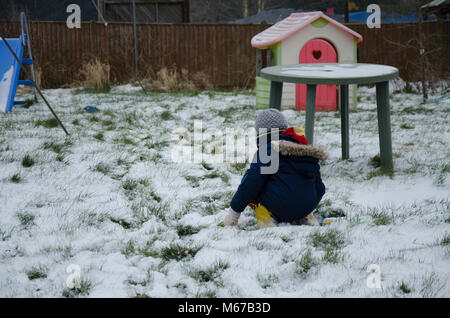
(172, 80)
(29, 89)
(95, 75)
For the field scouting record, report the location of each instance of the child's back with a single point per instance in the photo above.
(295, 189)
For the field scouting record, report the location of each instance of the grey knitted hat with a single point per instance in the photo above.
(270, 118)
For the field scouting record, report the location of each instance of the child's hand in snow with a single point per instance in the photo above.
(232, 218)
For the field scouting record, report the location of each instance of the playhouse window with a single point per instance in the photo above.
(263, 59)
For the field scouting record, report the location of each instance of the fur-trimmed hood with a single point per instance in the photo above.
(289, 148)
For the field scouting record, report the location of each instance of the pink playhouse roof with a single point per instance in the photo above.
(295, 22)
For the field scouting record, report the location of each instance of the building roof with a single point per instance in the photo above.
(294, 23)
(436, 3)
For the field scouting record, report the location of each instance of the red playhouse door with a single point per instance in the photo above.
(317, 51)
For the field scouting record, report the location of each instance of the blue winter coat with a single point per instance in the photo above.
(291, 193)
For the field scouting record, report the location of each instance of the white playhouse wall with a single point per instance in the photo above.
(290, 51)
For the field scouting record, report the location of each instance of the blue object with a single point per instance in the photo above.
(361, 17)
(10, 70)
(91, 109)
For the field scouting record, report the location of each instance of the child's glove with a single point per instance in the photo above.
(232, 218)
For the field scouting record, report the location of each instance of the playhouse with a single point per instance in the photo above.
(308, 37)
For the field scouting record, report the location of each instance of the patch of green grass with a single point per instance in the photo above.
(157, 145)
(210, 209)
(406, 126)
(251, 225)
(445, 240)
(83, 290)
(187, 208)
(129, 249)
(148, 250)
(28, 103)
(186, 230)
(210, 274)
(380, 172)
(414, 166)
(37, 272)
(99, 136)
(332, 255)
(238, 167)
(16, 178)
(431, 285)
(88, 90)
(335, 213)
(193, 181)
(227, 113)
(27, 161)
(446, 168)
(130, 185)
(375, 161)
(126, 141)
(404, 288)
(57, 147)
(327, 239)
(305, 263)
(267, 281)
(60, 158)
(76, 122)
(5, 234)
(152, 194)
(166, 115)
(206, 294)
(156, 157)
(109, 112)
(216, 174)
(178, 252)
(92, 219)
(48, 123)
(131, 118)
(381, 218)
(125, 224)
(102, 167)
(144, 209)
(53, 146)
(324, 203)
(94, 119)
(26, 219)
(207, 166)
(410, 110)
(107, 123)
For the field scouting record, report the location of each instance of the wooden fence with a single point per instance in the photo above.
(222, 52)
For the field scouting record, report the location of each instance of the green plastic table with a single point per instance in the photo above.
(343, 74)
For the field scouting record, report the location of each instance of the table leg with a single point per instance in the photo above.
(276, 91)
(310, 112)
(344, 122)
(384, 125)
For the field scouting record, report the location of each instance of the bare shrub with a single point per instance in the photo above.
(172, 80)
(95, 75)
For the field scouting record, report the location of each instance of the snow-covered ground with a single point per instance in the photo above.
(110, 199)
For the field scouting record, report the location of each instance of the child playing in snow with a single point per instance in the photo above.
(291, 193)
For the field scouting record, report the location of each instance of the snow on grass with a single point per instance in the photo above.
(110, 199)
